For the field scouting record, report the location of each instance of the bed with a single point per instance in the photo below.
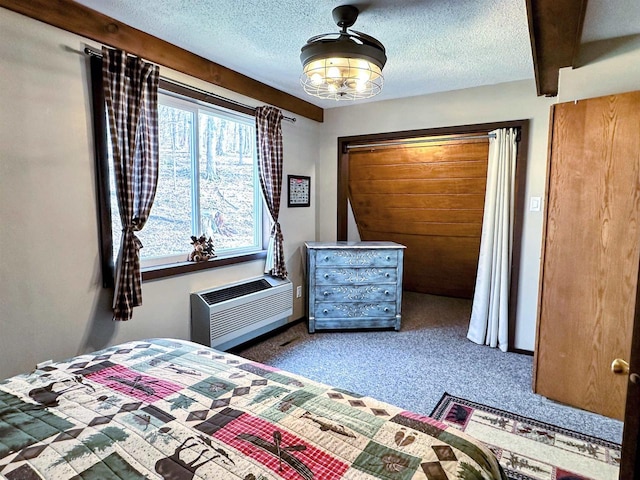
(172, 409)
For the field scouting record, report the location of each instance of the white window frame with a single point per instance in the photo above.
(196, 107)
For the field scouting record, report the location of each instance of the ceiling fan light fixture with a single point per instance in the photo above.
(348, 67)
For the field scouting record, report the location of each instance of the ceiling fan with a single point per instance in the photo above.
(344, 65)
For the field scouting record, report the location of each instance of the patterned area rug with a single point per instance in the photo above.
(531, 450)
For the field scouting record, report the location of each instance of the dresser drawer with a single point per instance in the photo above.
(341, 276)
(356, 310)
(355, 258)
(355, 293)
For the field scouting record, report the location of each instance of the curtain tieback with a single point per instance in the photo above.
(131, 243)
(276, 230)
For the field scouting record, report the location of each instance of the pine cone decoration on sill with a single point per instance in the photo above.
(202, 249)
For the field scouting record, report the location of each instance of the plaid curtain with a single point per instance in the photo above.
(269, 140)
(131, 97)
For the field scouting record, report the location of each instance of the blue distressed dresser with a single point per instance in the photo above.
(354, 285)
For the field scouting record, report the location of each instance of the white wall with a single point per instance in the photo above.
(508, 101)
(610, 66)
(52, 304)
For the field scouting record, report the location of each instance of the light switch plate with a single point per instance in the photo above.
(535, 204)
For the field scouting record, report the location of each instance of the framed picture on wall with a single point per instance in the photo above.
(299, 191)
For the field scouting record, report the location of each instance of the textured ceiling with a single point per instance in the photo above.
(432, 45)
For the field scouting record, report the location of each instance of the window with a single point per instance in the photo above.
(207, 184)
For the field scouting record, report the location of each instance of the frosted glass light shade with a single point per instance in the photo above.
(338, 78)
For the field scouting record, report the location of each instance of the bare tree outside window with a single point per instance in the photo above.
(228, 198)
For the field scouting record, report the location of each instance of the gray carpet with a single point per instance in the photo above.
(414, 367)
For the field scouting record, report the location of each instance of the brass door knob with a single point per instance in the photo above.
(620, 367)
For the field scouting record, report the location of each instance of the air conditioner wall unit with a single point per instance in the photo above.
(226, 316)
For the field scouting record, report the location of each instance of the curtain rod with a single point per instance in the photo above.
(424, 140)
(95, 53)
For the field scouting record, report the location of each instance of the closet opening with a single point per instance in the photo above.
(425, 189)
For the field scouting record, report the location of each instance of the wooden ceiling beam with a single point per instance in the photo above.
(555, 28)
(76, 18)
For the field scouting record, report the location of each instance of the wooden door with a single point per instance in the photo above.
(590, 253)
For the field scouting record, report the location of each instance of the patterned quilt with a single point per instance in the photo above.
(177, 410)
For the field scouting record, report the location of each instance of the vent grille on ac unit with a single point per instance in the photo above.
(235, 291)
(228, 315)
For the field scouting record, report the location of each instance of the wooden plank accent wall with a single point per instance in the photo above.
(76, 18)
(429, 197)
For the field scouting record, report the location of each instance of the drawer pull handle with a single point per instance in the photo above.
(325, 311)
(387, 275)
(386, 292)
(326, 294)
(386, 309)
(326, 259)
(326, 275)
(388, 257)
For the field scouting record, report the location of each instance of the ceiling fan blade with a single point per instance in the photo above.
(369, 39)
(318, 37)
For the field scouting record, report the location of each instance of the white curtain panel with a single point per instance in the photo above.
(490, 311)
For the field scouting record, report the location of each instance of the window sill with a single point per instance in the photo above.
(162, 271)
